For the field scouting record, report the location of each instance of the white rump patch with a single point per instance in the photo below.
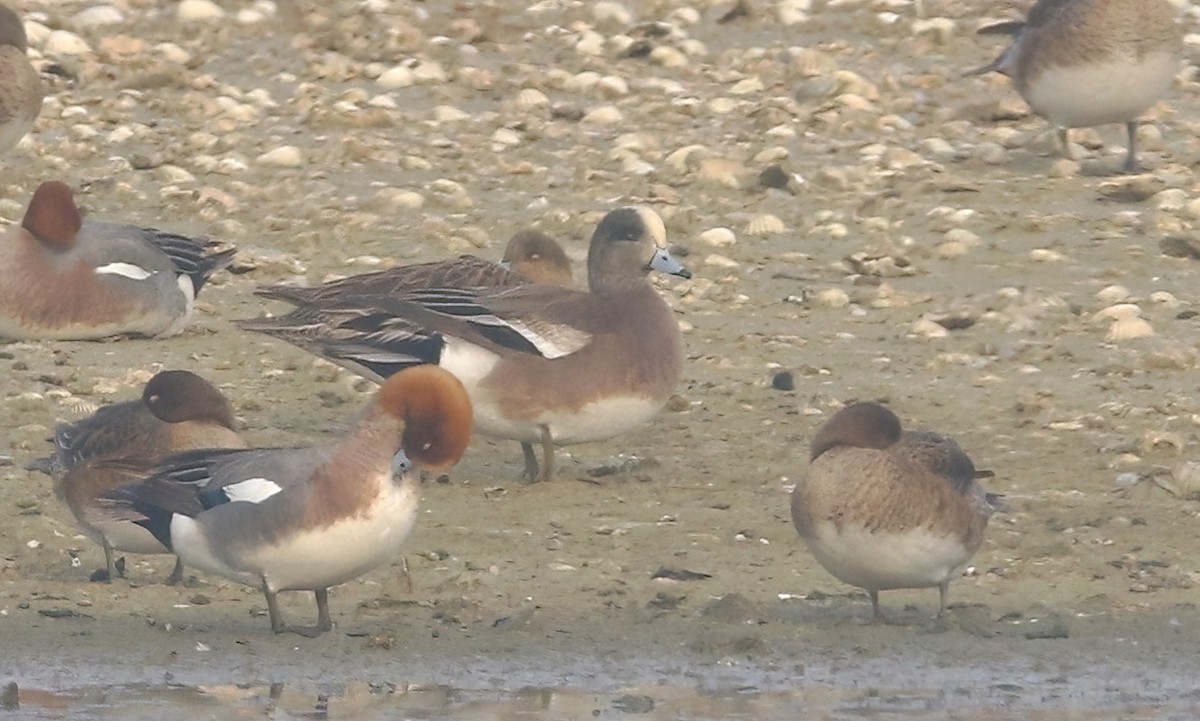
(252, 490)
(129, 270)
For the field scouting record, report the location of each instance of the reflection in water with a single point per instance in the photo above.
(654, 703)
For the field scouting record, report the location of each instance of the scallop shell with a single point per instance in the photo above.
(765, 224)
(1185, 476)
(1129, 328)
(718, 237)
(1113, 294)
(531, 98)
(1118, 312)
(79, 406)
(603, 115)
(929, 329)
(832, 298)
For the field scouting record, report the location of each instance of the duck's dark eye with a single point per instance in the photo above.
(622, 224)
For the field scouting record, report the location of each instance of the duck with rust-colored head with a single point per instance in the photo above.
(306, 519)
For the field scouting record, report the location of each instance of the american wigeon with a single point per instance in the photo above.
(529, 256)
(542, 364)
(178, 411)
(20, 86)
(292, 519)
(1080, 63)
(67, 278)
(882, 508)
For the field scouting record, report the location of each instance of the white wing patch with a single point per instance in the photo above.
(552, 340)
(251, 490)
(129, 270)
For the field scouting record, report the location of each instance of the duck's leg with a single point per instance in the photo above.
(1131, 164)
(547, 455)
(876, 610)
(273, 608)
(1064, 139)
(176, 576)
(109, 562)
(324, 622)
(943, 591)
(530, 474)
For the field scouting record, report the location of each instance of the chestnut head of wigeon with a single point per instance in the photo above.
(52, 216)
(177, 396)
(436, 413)
(860, 425)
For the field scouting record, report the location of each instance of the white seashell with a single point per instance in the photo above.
(1045, 255)
(1118, 311)
(581, 82)
(96, 16)
(1129, 328)
(720, 261)
(833, 298)
(531, 98)
(603, 115)
(679, 160)
(952, 249)
(1171, 200)
(613, 13)
(63, 42)
(590, 43)
(793, 12)
(1165, 299)
(397, 77)
(285, 156)
(964, 237)
(668, 57)
(400, 198)
(199, 11)
(765, 224)
(449, 114)
(718, 237)
(429, 72)
(506, 137)
(1113, 294)
(747, 86)
(929, 329)
(79, 406)
(612, 86)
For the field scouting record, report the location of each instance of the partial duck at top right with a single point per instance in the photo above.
(1081, 63)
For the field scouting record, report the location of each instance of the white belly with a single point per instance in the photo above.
(1116, 91)
(883, 561)
(307, 560)
(594, 422)
(126, 536)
